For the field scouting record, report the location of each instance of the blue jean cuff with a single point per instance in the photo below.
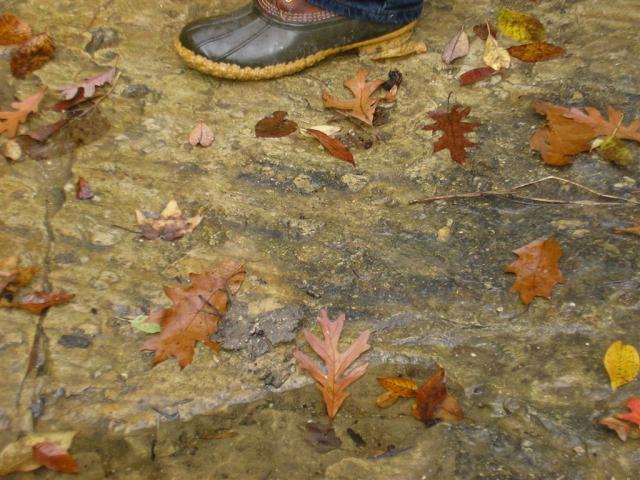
(373, 11)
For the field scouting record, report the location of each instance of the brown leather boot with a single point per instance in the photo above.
(273, 38)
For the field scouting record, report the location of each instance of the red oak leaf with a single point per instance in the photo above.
(454, 131)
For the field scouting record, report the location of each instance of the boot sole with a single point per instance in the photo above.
(235, 72)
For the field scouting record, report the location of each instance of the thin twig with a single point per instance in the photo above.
(511, 194)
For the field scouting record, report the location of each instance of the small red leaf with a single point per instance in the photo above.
(201, 135)
(334, 146)
(476, 75)
(54, 457)
(275, 125)
(83, 190)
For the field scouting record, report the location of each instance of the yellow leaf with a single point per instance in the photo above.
(520, 26)
(494, 55)
(622, 363)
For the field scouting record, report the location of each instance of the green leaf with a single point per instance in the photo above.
(139, 323)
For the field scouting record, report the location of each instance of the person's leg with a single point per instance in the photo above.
(272, 38)
(383, 11)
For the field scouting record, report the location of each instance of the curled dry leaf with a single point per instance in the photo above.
(454, 130)
(13, 31)
(201, 135)
(622, 364)
(170, 225)
(536, 52)
(14, 277)
(495, 56)
(194, 316)
(9, 121)
(54, 457)
(363, 104)
(276, 125)
(333, 383)
(613, 150)
(87, 87)
(83, 189)
(476, 75)
(623, 423)
(457, 47)
(19, 456)
(32, 55)
(36, 302)
(434, 403)
(520, 26)
(536, 269)
(334, 146)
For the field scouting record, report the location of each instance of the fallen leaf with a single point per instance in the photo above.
(476, 75)
(623, 429)
(520, 26)
(63, 105)
(613, 150)
(326, 129)
(197, 309)
(633, 404)
(633, 230)
(454, 130)
(88, 86)
(363, 104)
(386, 399)
(495, 56)
(403, 387)
(322, 438)
(570, 131)
(334, 146)
(140, 323)
(404, 50)
(14, 277)
(170, 225)
(83, 189)
(201, 135)
(32, 55)
(433, 401)
(9, 121)
(36, 302)
(457, 47)
(622, 364)
(13, 31)
(536, 52)
(333, 383)
(536, 269)
(18, 456)
(484, 29)
(41, 134)
(54, 457)
(276, 125)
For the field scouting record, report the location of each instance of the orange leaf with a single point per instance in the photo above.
(13, 277)
(54, 457)
(536, 270)
(334, 146)
(433, 401)
(333, 383)
(32, 55)
(386, 399)
(197, 309)
(9, 121)
(633, 230)
(633, 404)
(403, 387)
(454, 128)
(363, 105)
(536, 52)
(13, 31)
(36, 302)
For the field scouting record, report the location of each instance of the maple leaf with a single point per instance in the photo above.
(9, 121)
(334, 146)
(32, 55)
(201, 135)
(633, 404)
(197, 309)
(276, 125)
(536, 270)
(13, 31)
(171, 224)
(19, 456)
(457, 47)
(363, 105)
(433, 401)
(87, 87)
(454, 130)
(333, 383)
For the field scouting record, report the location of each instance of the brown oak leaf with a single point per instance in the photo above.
(333, 383)
(197, 309)
(13, 31)
(36, 302)
(434, 403)
(32, 55)
(363, 105)
(276, 125)
(334, 146)
(536, 269)
(54, 457)
(170, 225)
(9, 121)
(454, 130)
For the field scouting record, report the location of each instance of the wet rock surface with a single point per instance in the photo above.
(427, 280)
